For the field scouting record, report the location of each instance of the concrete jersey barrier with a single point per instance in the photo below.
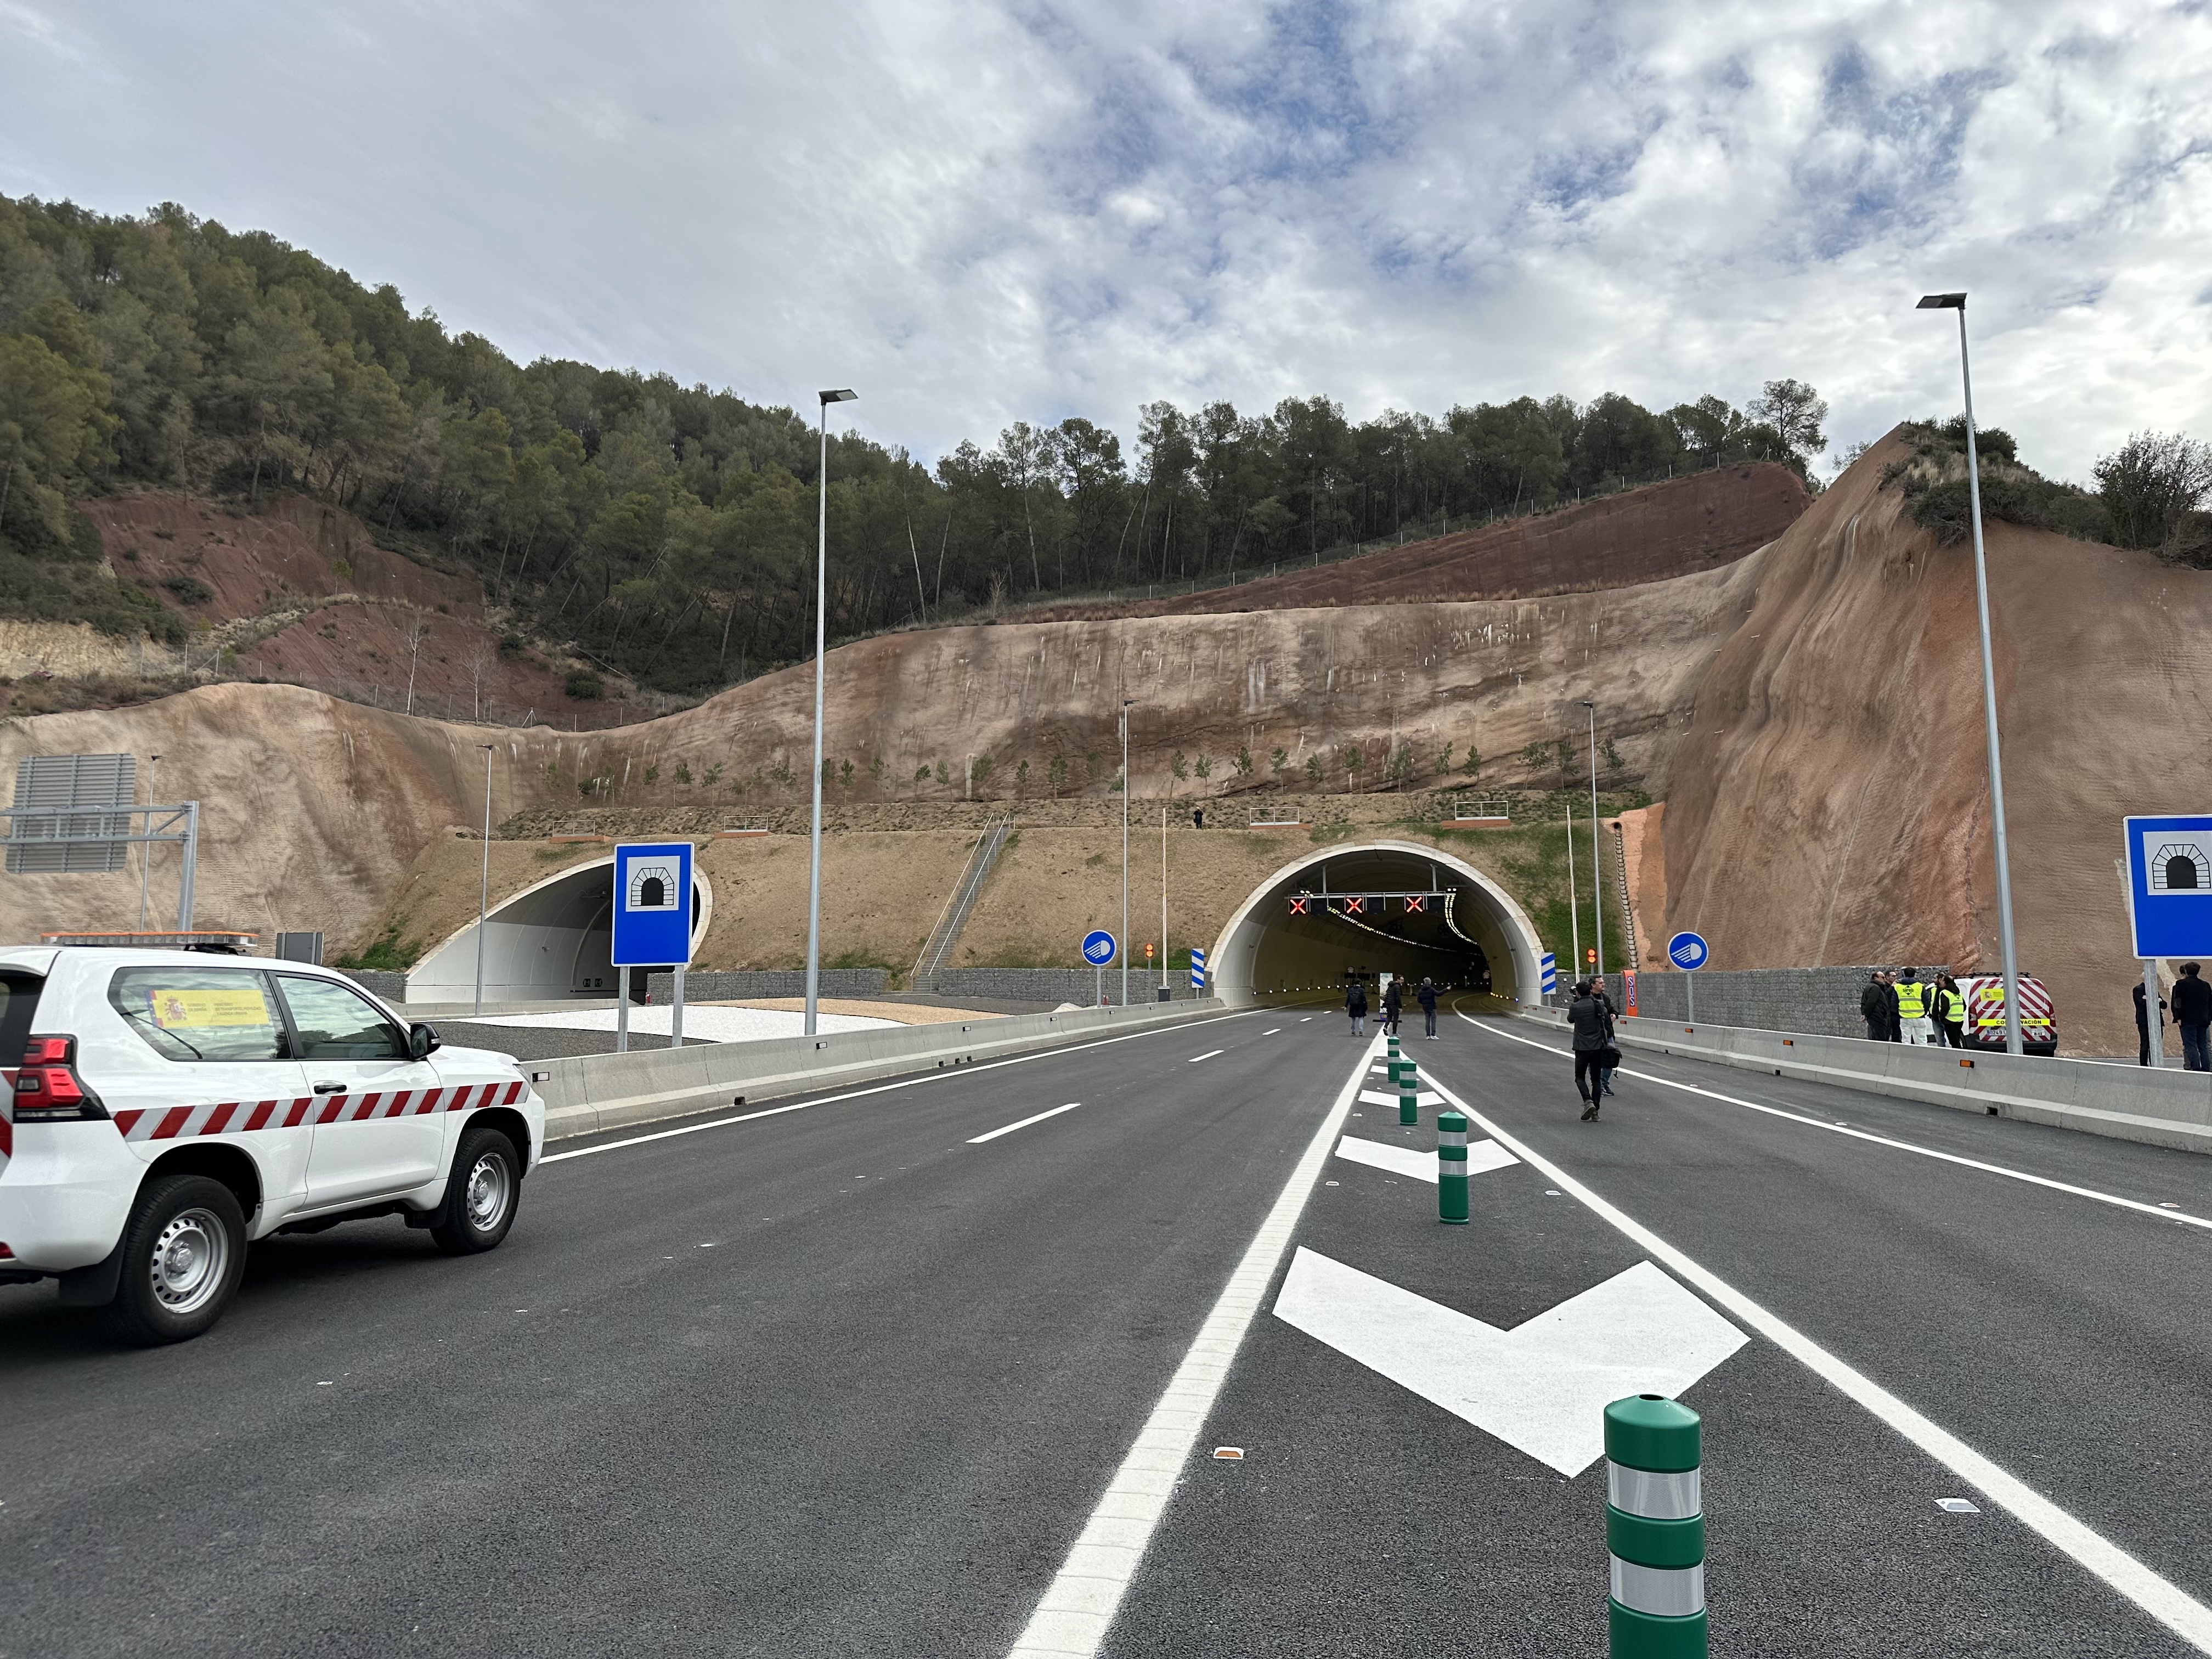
(2159, 1108)
(590, 1092)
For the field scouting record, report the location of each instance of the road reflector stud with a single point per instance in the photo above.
(1230, 1454)
(1959, 1505)
(1451, 1168)
(1655, 1529)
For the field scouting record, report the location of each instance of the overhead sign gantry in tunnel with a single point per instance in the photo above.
(1388, 906)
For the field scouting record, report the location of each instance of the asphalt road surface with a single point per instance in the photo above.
(845, 1376)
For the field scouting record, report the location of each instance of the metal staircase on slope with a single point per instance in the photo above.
(937, 948)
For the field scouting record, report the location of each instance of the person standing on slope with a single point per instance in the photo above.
(1355, 1003)
(1586, 1019)
(2190, 999)
(1426, 996)
(1914, 1006)
(1875, 1005)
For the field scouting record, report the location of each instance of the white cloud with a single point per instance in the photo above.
(977, 213)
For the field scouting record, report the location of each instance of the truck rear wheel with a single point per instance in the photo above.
(184, 1253)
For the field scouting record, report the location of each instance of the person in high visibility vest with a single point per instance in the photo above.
(1950, 1010)
(1915, 1002)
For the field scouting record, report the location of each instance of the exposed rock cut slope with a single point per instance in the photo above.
(1697, 522)
(1830, 803)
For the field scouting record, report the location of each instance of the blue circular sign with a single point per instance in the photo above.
(1687, 951)
(1099, 947)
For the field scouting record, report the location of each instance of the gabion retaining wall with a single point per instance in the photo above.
(1819, 1001)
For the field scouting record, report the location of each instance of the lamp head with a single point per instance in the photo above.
(1942, 302)
(828, 398)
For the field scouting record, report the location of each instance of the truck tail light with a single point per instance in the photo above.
(48, 1087)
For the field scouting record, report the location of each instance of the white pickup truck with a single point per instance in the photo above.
(167, 1108)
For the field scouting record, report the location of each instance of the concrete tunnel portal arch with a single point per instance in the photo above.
(1471, 927)
(549, 941)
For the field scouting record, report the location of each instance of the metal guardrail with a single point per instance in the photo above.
(1466, 807)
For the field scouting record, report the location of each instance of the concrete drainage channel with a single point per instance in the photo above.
(591, 1092)
(2159, 1107)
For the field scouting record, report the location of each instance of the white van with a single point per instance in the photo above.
(167, 1108)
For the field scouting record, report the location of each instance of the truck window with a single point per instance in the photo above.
(200, 1013)
(337, 1023)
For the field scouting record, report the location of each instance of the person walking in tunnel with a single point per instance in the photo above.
(1355, 1003)
(1586, 1019)
(2142, 1026)
(1394, 1003)
(1426, 996)
(1950, 1010)
(2190, 999)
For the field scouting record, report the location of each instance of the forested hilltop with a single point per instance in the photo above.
(664, 530)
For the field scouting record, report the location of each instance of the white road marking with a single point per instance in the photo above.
(2163, 1599)
(1073, 1616)
(2159, 1211)
(1482, 1157)
(1007, 1129)
(1208, 1055)
(1379, 1097)
(851, 1094)
(1542, 1387)
(1270, 1031)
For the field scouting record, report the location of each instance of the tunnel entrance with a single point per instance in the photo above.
(550, 940)
(1377, 907)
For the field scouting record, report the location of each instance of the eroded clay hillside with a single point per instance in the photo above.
(1829, 802)
(314, 807)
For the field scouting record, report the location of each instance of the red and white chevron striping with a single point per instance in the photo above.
(244, 1116)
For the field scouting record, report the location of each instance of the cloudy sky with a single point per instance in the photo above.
(1024, 209)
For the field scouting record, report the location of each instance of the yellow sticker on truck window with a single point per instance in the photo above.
(176, 1010)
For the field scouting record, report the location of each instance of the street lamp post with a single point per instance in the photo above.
(1127, 703)
(1957, 302)
(483, 882)
(1597, 881)
(821, 609)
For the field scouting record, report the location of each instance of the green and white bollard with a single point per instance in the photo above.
(1655, 1529)
(1409, 1093)
(1451, 1167)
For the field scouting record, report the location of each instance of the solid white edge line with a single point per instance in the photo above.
(856, 1094)
(2113, 1199)
(2166, 1601)
(1208, 1055)
(1078, 1607)
(993, 1134)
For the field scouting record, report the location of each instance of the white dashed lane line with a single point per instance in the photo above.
(1007, 1129)
(1208, 1055)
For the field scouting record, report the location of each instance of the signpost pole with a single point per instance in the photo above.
(622, 1009)
(676, 1013)
(2154, 1027)
(1690, 991)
